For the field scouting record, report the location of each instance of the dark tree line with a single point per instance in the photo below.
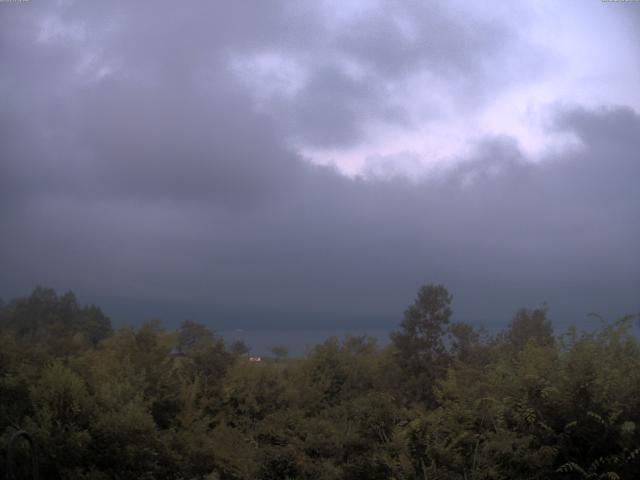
(441, 401)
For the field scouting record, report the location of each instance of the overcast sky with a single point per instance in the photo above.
(311, 164)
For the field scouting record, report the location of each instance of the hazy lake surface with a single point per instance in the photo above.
(298, 341)
(260, 341)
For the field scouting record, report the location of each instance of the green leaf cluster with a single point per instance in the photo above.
(441, 401)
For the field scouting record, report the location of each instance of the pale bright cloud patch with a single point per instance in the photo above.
(567, 54)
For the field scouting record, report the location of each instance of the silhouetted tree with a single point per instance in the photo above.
(529, 326)
(239, 348)
(421, 352)
(280, 351)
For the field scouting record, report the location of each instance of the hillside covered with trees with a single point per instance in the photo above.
(441, 401)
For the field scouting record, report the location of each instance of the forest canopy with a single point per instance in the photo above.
(442, 400)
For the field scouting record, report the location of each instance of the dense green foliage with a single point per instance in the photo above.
(441, 401)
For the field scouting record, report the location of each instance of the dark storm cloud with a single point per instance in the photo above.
(170, 121)
(357, 67)
(397, 39)
(171, 116)
(136, 167)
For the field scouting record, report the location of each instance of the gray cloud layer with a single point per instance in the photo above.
(138, 167)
